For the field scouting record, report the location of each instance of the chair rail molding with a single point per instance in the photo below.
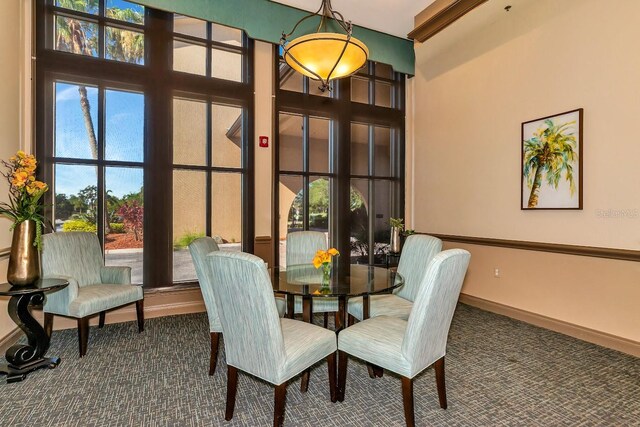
(590, 251)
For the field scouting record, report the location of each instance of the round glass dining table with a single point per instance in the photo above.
(306, 281)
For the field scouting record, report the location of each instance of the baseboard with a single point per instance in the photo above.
(9, 340)
(590, 335)
(156, 304)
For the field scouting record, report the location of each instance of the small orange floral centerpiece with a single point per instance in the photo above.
(323, 259)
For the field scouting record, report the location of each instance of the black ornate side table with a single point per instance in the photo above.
(24, 358)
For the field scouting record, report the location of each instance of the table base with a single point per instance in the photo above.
(19, 373)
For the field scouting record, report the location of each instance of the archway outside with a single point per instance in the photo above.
(292, 198)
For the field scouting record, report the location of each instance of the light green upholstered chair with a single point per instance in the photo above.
(199, 250)
(301, 248)
(407, 347)
(93, 288)
(256, 341)
(417, 252)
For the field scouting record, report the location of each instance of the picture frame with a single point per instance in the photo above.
(551, 162)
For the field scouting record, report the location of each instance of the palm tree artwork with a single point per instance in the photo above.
(81, 38)
(550, 154)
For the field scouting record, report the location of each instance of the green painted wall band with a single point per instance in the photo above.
(266, 20)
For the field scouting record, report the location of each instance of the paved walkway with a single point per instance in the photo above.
(183, 270)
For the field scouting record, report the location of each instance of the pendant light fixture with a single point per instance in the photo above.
(324, 55)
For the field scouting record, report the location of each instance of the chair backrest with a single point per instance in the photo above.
(199, 250)
(425, 339)
(303, 245)
(417, 253)
(75, 254)
(251, 327)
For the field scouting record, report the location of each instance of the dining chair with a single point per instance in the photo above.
(301, 248)
(407, 347)
(256, 341)
(199, 250)
(93, 289)
(418, 251)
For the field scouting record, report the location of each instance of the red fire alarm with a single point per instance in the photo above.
(264, 141)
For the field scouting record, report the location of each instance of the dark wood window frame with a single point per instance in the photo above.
(342, 112)
(159, 84)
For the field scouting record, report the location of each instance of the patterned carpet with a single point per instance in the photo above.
(500, 372)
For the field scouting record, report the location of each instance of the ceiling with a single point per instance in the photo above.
(388, 16)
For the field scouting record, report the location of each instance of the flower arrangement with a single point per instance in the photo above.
(323, 258)
(397, 223)
(24, 193)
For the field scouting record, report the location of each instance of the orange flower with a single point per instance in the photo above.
(36, 187)
(324, 257)
(28, 163)
(19, 178)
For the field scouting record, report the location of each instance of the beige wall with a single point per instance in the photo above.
(13, 76)
(263, 126)
(475, 83)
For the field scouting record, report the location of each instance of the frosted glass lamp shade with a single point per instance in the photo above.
(319, 52)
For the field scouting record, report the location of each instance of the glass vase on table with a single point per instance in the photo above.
(326, 275)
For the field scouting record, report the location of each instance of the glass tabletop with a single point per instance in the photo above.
(305, 279)
(42, 285)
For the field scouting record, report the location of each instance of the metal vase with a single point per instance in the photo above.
(24, 260)
(395, 240)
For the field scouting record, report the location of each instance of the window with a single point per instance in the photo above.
(207, 177)
(305, 175)
(207, 49)
(340, 164)
(114, 30)
(123, 91)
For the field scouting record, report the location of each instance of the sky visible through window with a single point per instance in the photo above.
(124, 136)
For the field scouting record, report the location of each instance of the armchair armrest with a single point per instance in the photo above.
(58, 302)
(116, 275)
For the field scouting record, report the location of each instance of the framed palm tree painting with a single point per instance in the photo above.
(552, 162)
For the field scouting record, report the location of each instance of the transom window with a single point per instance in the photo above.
(110, 29)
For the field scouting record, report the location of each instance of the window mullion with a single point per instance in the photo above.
(305, 169)
(100, 188)
(101, 30)
(209, 162)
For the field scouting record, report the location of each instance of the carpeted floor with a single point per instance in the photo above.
(500, 372)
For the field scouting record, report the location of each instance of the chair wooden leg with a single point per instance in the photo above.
(442, 391)
(232, 388)
(331, 364)
(378, 371)
(290, 306)
(304, 381)
(140, 313)
(375, 371)
(83, 335)
(407, 400)
(352, 320)
(101, 321)
(213, 358)
(48, 324)
(278, 407)
(326, 320)
(307, 309)
(337, 321)
(342, 374)
(372, 374)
